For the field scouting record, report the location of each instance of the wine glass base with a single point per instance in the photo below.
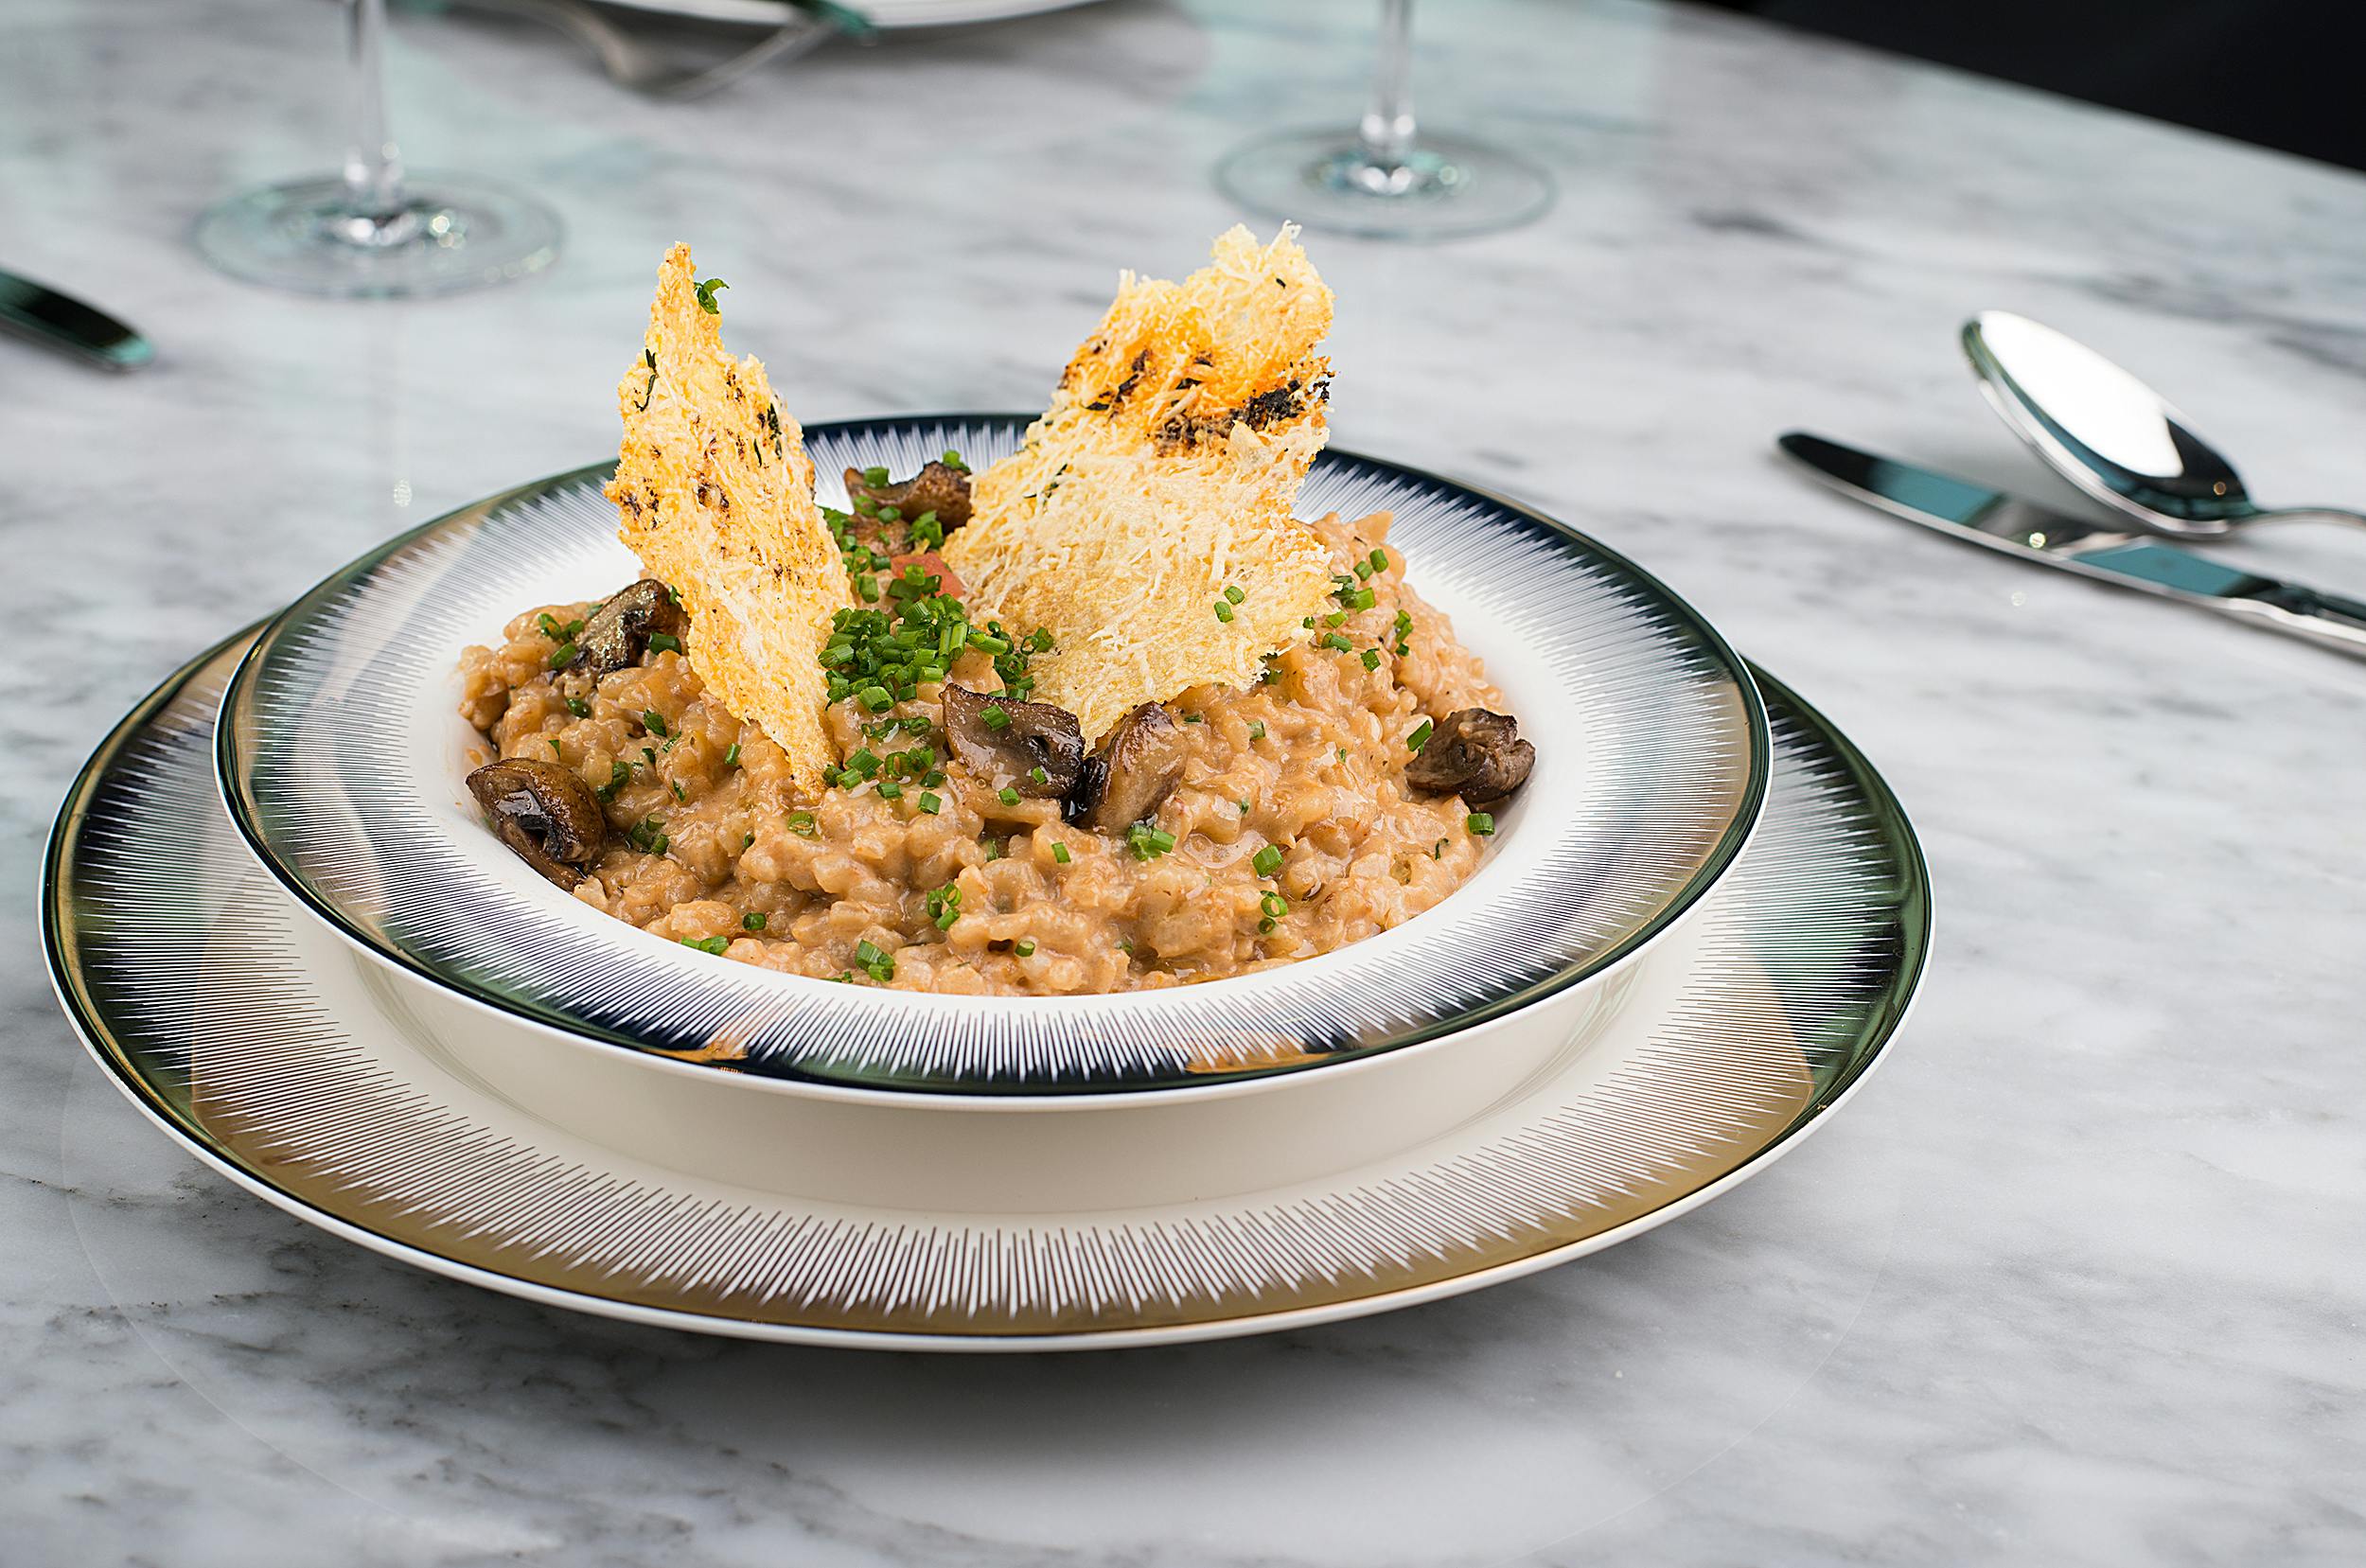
(453, 232)
(1446, 189)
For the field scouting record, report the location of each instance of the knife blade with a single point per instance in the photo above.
(43, 315)
(1978, 515)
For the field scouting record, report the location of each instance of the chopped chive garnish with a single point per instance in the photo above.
(1371, 658)
(1059, 853)
(1037, 777)
(1336, 618)
(576, 706)
(890, 790)
(1148, 843)
(1223, 611)
(706, 296)
(731, 757)
(996, 716)
(1025, 947)
(1308, 623)
(663, 641)
(1480, 823)
(563, 656)
(993, 848)
(653, 721)
(1356, 598)
(801, 823)
(1336, 640)
(708, 944)
(747, 840)
(1008, 796)
(675, 784)
(751, 920)
(1379, 560)
(1363, 569)
(930, 803)
(1419, 737)
(944, 906)
(877, 698)
(1274, 906)
(1257, 728)
(875, 475)
(1243, 805)
(1233, 593)
(1195, 718)
(868, 586)
(879, 966)
(953, 459)
(649, 835)
(1268, 860)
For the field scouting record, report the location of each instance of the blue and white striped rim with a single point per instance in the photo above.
(337, 759)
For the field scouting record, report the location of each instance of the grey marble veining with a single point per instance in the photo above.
(2078, 1277)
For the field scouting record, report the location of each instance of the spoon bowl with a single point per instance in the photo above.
(2111, 434)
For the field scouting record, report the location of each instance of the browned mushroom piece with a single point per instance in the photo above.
(938, 488)
(545, 813)
(618, 633)
(1473, 753)
(1028, 738)
(1136, 767)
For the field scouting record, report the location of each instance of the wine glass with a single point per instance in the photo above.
(372, 231)
(1384, 180)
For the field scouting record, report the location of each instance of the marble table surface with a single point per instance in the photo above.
(2078, 1277)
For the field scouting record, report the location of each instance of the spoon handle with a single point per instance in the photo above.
(2307, 513)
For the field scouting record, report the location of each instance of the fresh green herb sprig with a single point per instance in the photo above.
(706, 296)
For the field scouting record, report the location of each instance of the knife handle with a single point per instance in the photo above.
(43, 315)
(2325, 619)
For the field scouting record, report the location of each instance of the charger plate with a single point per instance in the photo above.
(342, 756)
(221, 1014)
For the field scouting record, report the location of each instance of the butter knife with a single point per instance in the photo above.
(58, 321)
(1977, 514)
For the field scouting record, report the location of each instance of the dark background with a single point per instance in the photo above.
(2289, 74)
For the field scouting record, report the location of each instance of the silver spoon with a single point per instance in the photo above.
(2111, 436)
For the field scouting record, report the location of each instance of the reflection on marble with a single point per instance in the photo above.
(2075, 1279)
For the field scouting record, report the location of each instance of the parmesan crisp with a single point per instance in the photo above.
(715, 493)
(1162, 474)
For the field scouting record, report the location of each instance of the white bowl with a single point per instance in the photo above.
(341, 757)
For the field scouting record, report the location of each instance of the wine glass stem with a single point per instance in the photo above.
(373, 164)
(1386, 130)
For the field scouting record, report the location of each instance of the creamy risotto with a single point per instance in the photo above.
(969, 841)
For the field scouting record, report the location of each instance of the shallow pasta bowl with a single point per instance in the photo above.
(341, 759)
